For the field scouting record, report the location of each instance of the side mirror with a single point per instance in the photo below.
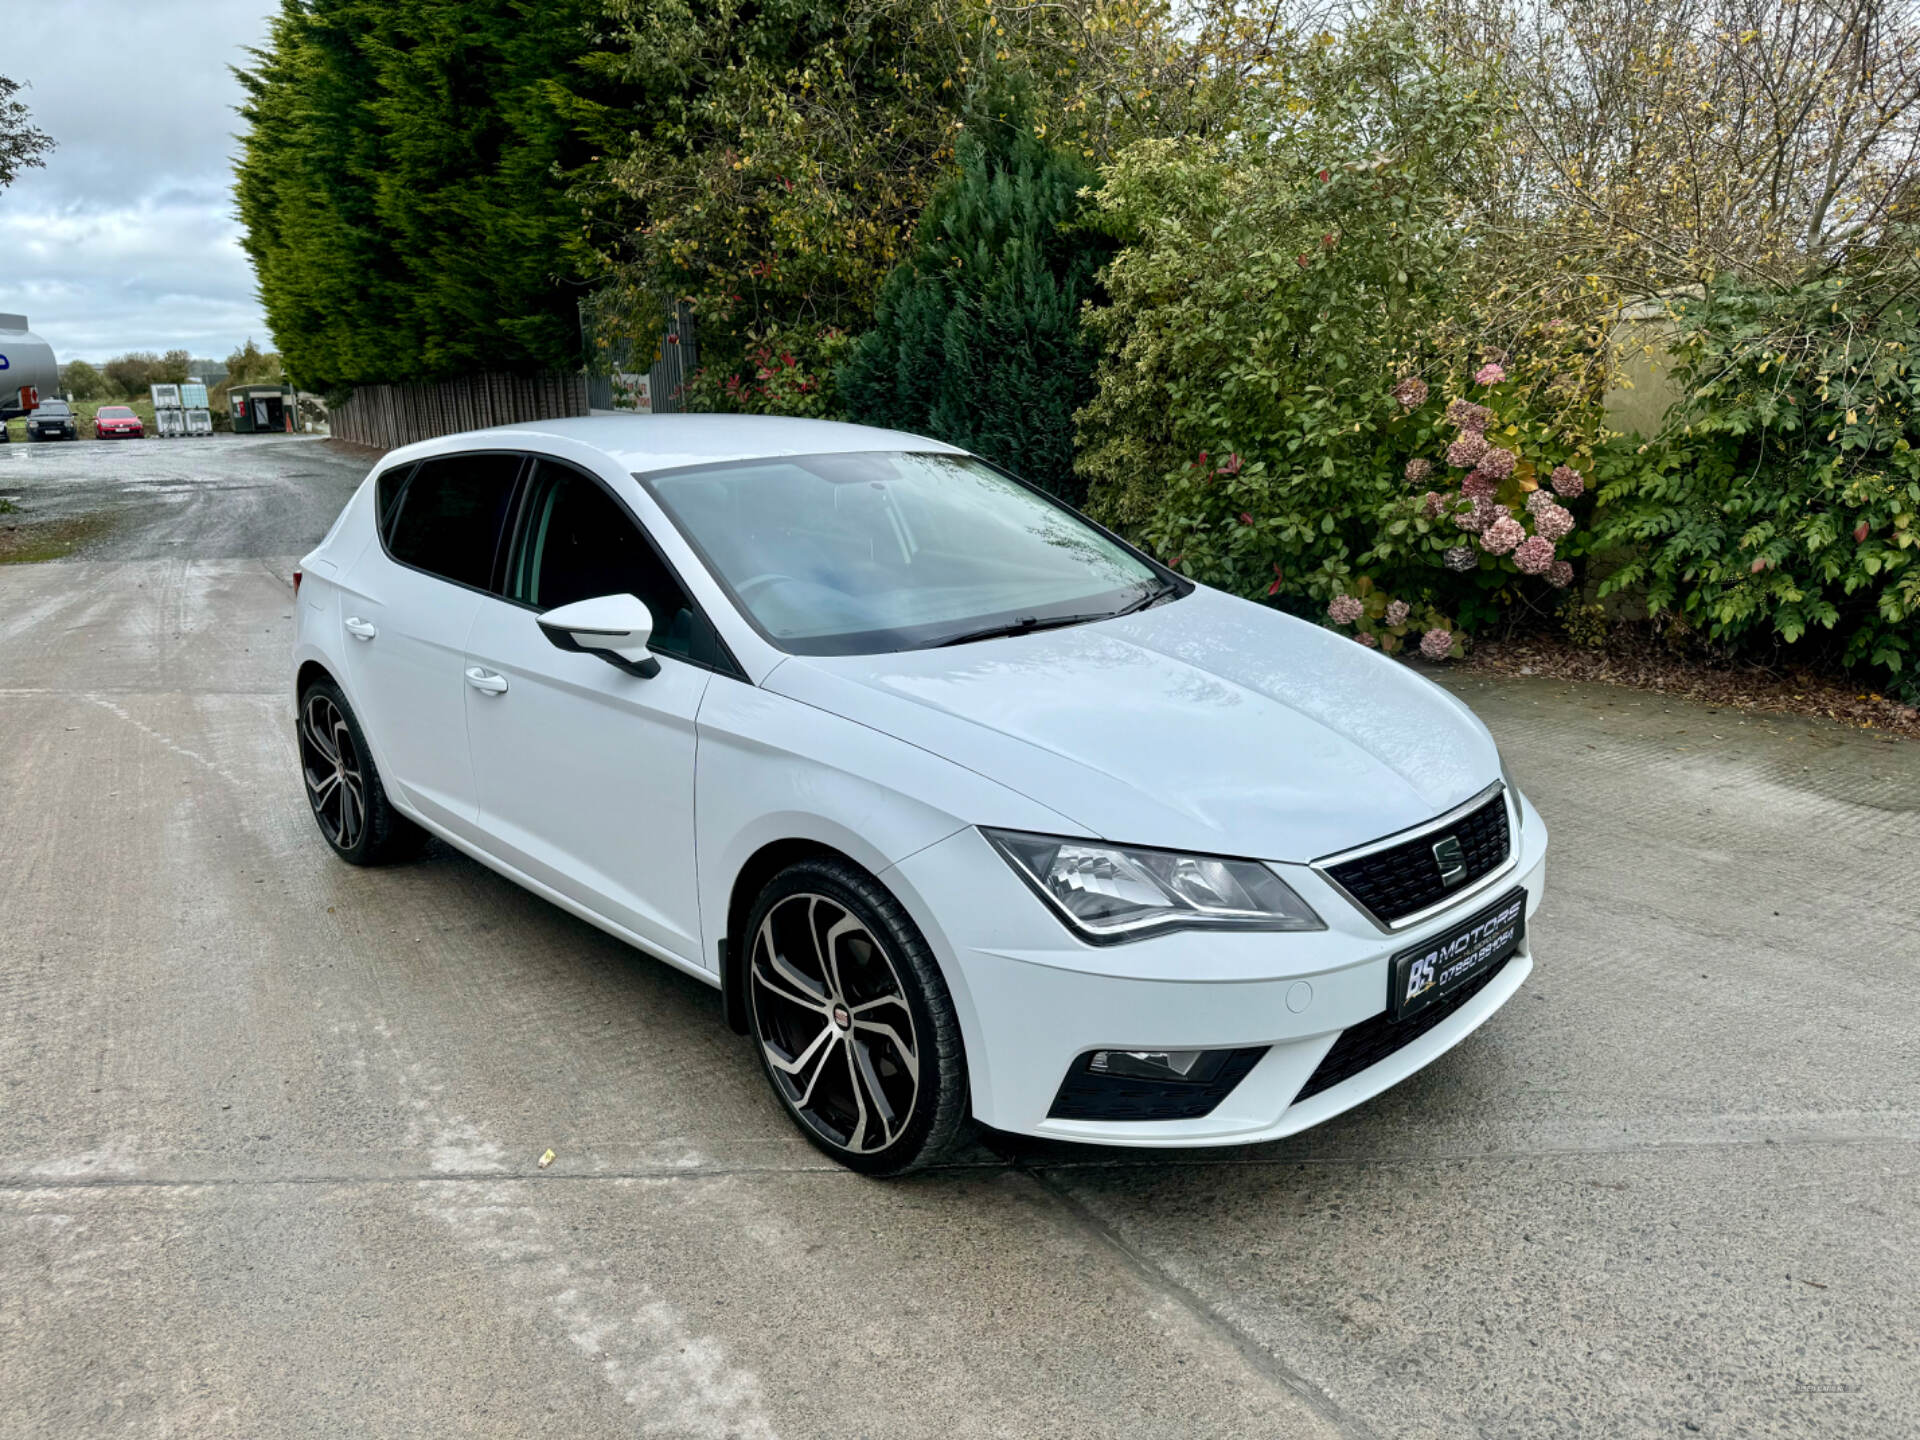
(614, 627)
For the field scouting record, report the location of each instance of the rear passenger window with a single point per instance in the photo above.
(451, 515)
(386, 493)
(577, 542)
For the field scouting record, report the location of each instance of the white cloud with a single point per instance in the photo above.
(127, 240)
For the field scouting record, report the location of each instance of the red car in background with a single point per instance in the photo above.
(111, 421)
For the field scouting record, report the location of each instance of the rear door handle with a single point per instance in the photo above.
(485, 681)
(360, 629)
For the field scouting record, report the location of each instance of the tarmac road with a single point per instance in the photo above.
(269, 1125)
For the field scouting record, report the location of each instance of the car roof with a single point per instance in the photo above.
(641, 443)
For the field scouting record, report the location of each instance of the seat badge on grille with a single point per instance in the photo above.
(1452, 862)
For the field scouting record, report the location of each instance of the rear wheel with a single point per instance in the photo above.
(349, 803)
(853, 1022)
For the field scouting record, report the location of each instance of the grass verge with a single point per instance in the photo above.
(26, 542)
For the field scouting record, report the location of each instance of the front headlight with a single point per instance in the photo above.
(1110, 893)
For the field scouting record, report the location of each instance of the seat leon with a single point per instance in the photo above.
(970, 810)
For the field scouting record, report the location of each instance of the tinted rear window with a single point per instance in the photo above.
(387, 491)
(451, 515)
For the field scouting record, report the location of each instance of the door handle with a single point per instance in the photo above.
(360, 629)
(485, 681)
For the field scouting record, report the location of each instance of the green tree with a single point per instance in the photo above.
(403, 185)
(22, 145)
(250, 365)
(129, 375)
(778, 161)
(977, 339)
(83, 381)
(781, 151)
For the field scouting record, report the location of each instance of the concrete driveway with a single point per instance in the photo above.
(269, 1125)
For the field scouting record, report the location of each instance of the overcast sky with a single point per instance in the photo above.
(127, 240)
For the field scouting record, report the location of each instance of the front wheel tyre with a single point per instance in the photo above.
(852, 1020)
(349, 803)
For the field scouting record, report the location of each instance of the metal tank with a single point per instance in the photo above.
(26, 361)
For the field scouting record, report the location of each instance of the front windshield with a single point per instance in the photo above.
(53, 407)
(115, 412)
(862, 553)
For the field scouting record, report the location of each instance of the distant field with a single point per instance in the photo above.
(83, 412)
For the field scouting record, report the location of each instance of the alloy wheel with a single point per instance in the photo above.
(834, 1023)
(336, 783)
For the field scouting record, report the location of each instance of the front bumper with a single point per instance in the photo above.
(1032, 999)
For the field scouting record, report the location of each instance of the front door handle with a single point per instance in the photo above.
(485, 681)
(360, 629)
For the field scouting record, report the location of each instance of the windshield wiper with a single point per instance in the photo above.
(1153, 596)
(1025, 625)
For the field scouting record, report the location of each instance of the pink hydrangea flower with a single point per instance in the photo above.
(1433, 505)
(1461, 557)
(1465, 415)
(1553, 521)
(1477, 519)
(1467, 450)
(1345, 609)
(1366, 638)
(1489, 374)
(1397, 612)
(1560, 574)
(1479, 485)
(1498, 463)
(1567, 482)
(1538, 498)
(1418, 470)
(1500, 537)
(1411, 392)
(1437, 644)
(1534, 555)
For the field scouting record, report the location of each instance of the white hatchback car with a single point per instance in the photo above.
(968, 808)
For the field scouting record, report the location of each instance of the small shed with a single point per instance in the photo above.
(261, 409)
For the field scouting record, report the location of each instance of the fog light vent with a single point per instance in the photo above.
(1151, 1084)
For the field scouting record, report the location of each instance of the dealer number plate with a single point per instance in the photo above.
(1428, 973)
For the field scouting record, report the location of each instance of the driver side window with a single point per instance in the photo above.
(576, 542)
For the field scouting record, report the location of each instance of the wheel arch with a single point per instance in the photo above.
(753, 877)
(309, 673)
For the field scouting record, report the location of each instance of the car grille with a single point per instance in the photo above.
(1371, 1041)
(1404, 879)
(1086, 1096)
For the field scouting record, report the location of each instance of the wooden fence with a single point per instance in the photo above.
(388, 416)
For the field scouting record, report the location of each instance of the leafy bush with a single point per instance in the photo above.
(977, 339)
(1288, 330)
(783, 372)
(1779, 506)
